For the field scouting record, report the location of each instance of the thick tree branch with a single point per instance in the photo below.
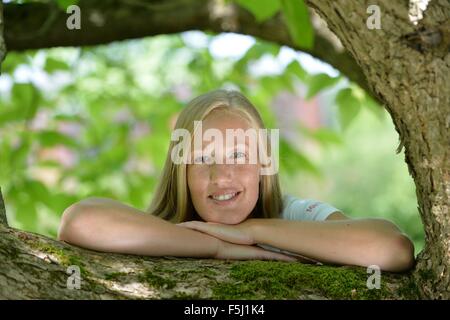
(2, 41)
(43, 25)
(36, 267)
(3, 219)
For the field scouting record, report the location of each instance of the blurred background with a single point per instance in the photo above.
(96, 121)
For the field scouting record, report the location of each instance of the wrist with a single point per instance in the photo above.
(252, 228)
(260, 228)
(217, 244)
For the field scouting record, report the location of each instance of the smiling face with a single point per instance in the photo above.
(224, 193)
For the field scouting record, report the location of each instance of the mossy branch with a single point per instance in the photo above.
(30, 258)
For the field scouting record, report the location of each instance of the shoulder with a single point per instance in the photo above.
(295, 208)
(337, 215)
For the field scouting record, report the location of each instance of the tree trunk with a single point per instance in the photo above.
(2, 41)
(411, 75)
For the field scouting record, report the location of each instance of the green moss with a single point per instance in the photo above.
(426, 274)
(409, 290)
(280, 280)
(185, 296)
(157, 281)
(63, 256)
(207, 272)
(114, 275)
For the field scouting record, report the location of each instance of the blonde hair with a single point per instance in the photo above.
(171, 200)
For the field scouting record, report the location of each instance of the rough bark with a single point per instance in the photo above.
(43, 25)
(35, 267)
(2, 41)
(411, 76)
(3, 219)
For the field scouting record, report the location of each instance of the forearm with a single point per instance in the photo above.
(360, 242)
(114, 227)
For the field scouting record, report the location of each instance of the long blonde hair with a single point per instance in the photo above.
(172, 200)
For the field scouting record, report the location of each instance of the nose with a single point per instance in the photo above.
(221, 174)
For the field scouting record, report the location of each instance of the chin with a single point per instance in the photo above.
(229, 219)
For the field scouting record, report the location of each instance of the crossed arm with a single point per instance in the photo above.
(107, 225)
(338, 240)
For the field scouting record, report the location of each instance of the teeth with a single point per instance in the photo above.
(224, 197)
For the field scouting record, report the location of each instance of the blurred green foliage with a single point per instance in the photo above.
(107, 111)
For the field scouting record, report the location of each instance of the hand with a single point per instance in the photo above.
(227, 250)
(238, 233)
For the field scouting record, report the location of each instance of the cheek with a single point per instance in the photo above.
(249, 176)
(250, 173)
(197, 181)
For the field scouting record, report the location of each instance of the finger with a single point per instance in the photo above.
(283, 257)
(269, 255)
(205, 228)
(200, 227)
(220, 231)
(190, 225)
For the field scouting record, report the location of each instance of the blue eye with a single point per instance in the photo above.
(202, 159)
(238, 154)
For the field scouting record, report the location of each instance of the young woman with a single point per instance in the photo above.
(218, 204)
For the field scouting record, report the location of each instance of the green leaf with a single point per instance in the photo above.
(52, 65)
(298, 22)
(297, 70)
(318, 82)
(324, 136)
(259, 49)
(275, 84)
(49, 138)
(63, 4)
(24, 208)
(10, 116)
(60, 201)
(12, 61)
(26, 215)
(348, 105)
(49, 163)
(25, 98)
(38, 191)
(18, 156)
(261, 9)
(69, 117)
(293, 161)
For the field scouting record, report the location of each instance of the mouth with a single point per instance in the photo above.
(225, 198)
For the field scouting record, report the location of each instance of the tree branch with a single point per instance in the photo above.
(3, 219)
(2, 41)
(43, 25)
(35, 267)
